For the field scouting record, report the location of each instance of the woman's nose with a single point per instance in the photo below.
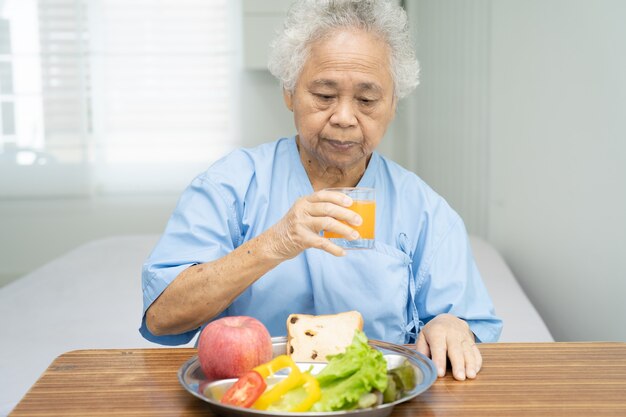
(343, 114)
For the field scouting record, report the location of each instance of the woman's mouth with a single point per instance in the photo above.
(341, 145)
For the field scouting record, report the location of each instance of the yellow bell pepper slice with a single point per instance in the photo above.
(275, 365)
(314, 393)
(278, 390)
(295, 379)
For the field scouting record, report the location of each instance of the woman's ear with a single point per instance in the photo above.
(288, 97)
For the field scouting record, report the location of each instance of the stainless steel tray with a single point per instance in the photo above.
(193, 380)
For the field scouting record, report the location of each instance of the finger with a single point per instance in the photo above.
(325, 209)
(456, 354)
(478, 357)
(336, 197)
(328, 224)
(328, 246)
(470, 359)
(421, 346)
(438, 351)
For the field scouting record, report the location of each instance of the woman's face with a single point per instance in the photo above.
(343, 100)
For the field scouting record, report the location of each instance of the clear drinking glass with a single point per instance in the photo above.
(363, 203)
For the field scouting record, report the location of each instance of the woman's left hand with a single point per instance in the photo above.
(448, 336)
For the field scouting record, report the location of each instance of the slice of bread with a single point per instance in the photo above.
(311, 338)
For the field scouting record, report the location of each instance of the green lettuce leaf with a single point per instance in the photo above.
(349, 375)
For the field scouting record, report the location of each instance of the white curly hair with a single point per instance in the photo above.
(311, 20)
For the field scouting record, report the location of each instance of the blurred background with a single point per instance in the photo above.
(108, 108)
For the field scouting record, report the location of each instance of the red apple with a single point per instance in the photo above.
(231, 346)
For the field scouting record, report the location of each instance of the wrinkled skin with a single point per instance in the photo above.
(299, 228)
(342, 103)
(446, 335)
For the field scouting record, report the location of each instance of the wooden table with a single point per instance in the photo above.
(529, 379)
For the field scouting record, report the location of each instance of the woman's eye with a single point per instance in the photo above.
(324, 97)
(366, 101)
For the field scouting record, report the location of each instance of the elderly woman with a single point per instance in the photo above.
(245, 237)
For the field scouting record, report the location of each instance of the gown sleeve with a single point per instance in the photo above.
(202, 228)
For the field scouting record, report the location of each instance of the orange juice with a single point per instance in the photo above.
(367, 211)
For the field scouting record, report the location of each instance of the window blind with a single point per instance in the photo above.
(130, 95)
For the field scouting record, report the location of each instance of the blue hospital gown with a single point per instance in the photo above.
(421, 265)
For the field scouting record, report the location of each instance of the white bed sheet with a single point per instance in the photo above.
(91, 298)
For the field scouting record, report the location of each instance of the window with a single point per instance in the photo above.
(113, 96)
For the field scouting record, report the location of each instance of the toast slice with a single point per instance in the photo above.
(311, 338)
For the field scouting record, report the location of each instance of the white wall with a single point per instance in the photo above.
(555, 144)
(451, 123)
(264, 116)
(558, 147)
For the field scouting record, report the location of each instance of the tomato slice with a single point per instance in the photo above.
(245, 391)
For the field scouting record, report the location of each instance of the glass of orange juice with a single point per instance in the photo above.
(363, 203)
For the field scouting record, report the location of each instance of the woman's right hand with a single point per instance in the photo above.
(300, 228)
